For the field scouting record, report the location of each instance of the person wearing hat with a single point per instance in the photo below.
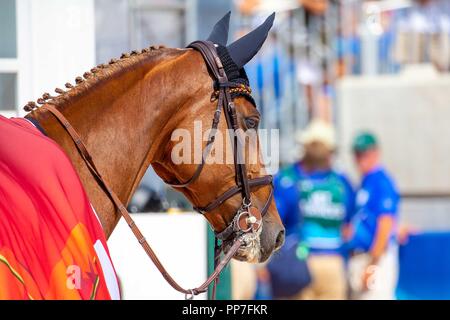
(373, 265)
(315, 201)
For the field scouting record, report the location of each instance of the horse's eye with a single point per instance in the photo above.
(251, 122)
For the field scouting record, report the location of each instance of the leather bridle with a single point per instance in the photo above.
(247, 214)
(247, 219)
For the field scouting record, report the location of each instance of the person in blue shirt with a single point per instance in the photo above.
(315, 202)
(371, 236)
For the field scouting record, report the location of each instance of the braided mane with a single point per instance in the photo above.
(89, 78)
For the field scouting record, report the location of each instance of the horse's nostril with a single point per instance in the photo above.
(280, 239)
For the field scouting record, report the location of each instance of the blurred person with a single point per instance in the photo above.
(315, 201)
(423, 34)
(373, 265)
(314, 7)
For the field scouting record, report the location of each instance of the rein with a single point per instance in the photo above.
(247, 219)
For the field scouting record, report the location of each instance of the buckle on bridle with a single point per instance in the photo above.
(244, 221)
(246, 203)
(247, 219)
(190, 295)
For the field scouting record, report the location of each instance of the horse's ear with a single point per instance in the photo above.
(219, 33)
(245, 48)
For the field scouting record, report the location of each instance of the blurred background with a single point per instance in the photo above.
(380, 65)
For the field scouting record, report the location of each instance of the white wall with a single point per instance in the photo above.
(410, 114)
(56, 43)
(180, 242)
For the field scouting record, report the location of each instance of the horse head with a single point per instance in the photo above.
(203, 168)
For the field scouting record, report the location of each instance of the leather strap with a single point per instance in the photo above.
(252, 183)
(134, 228)
(205, 153)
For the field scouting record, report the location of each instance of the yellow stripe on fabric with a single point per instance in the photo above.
(94, 290)
(16, 274)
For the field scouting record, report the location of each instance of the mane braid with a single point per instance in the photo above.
(90, 78)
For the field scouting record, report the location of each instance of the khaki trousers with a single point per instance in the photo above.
(243, 280)
(328, 279)
(382, 283)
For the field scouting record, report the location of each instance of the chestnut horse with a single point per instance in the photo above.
(126, 112)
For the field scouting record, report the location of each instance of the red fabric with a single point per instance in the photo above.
(47, 226)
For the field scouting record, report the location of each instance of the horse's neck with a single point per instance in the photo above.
(122, 121)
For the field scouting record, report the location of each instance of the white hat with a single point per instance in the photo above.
(318, 131)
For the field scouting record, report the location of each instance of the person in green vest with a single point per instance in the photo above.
(315, 202)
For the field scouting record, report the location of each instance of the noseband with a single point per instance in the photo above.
(248, 218)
